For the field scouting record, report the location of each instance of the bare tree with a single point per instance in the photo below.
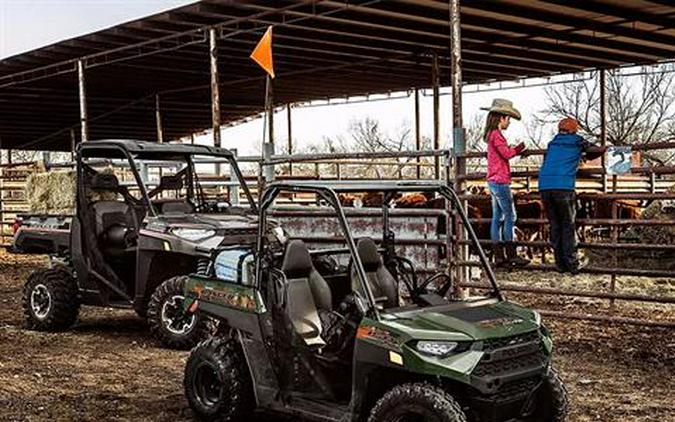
(641, 108)
(366, 135)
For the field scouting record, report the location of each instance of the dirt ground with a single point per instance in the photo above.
(108, 367)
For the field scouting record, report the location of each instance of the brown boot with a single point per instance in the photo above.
(512, 256)
(498, 252)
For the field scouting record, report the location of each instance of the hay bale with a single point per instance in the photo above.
(51, 192)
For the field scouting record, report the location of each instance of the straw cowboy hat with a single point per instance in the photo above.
(500, 105)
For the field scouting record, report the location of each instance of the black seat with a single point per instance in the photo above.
(379, 279)
(111, 218)
(306, 293)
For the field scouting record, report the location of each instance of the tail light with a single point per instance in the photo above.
(18, 222)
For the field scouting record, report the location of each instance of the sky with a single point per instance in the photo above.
(29, 24)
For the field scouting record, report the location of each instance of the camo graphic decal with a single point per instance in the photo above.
(376, 334)
(238, 297)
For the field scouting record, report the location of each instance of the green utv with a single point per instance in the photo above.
(353, 334)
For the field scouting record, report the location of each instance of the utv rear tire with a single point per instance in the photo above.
(417, 402)
(50, 300)
(552, 403)
(173, 328)
(217, 381)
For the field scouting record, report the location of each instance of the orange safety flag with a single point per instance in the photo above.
(262, 54)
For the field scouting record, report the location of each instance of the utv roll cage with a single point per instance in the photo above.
(87, 258)
(132, 150)
(329, 191)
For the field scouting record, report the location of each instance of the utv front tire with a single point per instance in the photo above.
(168, 322)
(50, 301)
(417, 402)
(217, 382)
(552, 402)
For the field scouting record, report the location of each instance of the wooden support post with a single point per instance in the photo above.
(215, 91)
(158, 120)
(290, 137)
(418, 135)
(435, 83)
(603, 124)
(73, 144)
(82, 85)
(458, 135)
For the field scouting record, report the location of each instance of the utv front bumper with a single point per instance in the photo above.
(508, 376)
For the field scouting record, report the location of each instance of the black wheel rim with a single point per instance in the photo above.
(206, 385)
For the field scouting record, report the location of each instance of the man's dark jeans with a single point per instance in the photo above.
(560, 208)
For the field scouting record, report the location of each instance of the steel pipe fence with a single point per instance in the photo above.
(613, 224)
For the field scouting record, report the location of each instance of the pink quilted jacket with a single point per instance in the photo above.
(498, 155)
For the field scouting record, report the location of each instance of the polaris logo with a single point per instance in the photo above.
(500, 322)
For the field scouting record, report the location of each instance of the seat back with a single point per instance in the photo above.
(305, 293)
(177, 207)
(379, 279)
(108, 213)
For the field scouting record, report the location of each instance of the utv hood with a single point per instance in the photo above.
(457, 322)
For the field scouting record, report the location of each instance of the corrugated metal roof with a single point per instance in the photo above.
(323, 49)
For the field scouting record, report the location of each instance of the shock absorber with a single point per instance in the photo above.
(204, 266)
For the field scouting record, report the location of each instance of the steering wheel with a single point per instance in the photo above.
(405, 271)
(442, 290)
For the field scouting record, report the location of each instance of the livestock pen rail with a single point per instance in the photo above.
(598, 232)
(621, 220)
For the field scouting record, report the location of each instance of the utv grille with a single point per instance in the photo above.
(508, 355)
(241, 231)
(510, 365)
(494, 344)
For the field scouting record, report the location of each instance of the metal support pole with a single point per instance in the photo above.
(437, 122)
(290, 138)
(84, 125)
(603, 123)
(418, 135)
(459, 144)
(215, 91)
(158, 119)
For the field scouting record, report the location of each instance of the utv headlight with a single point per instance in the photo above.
(537, 317)
(436, 348)
(193, 235)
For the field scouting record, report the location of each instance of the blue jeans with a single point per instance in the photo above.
(503, 212)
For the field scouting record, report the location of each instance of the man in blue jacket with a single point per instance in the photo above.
(557, 179)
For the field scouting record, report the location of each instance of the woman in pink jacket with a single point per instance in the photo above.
(499, 181)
